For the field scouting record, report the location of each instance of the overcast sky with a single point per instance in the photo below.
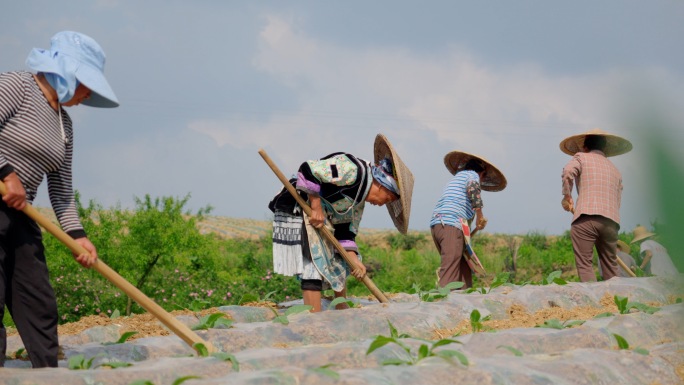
(203, 85)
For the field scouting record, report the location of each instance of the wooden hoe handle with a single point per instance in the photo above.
(324, 230)
(180, 329)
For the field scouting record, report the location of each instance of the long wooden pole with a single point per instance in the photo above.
(180, 329)
(323, 230)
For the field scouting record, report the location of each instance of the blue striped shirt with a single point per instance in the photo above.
(454, 202)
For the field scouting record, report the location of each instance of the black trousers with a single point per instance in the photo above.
(25, 288)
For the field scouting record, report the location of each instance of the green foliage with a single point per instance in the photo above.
(556, 324)
(228, 357)
(341, 300)
(79, 362)
(511, 349)
(290, 311)
(325, 369)
(212, 321)
(124, 337)
(554, 277)
(624, 306)
(476, 320)
(425, 350)
(622, 343)
(436, 293)
(405, 241)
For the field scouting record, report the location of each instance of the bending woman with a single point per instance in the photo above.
(337, 187)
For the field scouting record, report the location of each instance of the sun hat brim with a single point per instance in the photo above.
(80, 64)
(399, 210)
(640, 233)
(624, 247)
(494, 180)
(615, 145)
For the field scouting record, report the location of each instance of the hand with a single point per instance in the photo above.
(16, 194)
(481, 223)
(317, 218)
(87, 259)
(568, 204)
(358, 268)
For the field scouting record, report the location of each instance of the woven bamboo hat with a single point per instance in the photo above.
(494, 179)
(640, 233)
(399, 210)
(615, 145)
(621, 245)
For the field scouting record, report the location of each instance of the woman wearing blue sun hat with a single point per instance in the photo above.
(36, 141)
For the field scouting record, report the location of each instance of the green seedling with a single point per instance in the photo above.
(424, 350)
(340, 300)
(437, 293)
(511, 349)
(21, 354)
(228, 357)
(124, 337)
(201, 349)
(115, 314)
(624, 345)
(556, 324)
(476, 320)
(604, 315)
(290, 311)
(325, 370)
(554, 277)
(116, 364)
(79, 362)
(500, 280)
(177, 381)
(624, 306)
(213, 321)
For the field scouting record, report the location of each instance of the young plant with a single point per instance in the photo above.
(212, 321)
(116, 364)
(228, 357)
(79, 362)
(511, 349)
(122, 339)
(556, 324)
(554, 277)
(290, 311)
(21, 354)
(437, 293)
(325, 369)
(624, 306)
(340, 300)
(424, 350)
(476, 320)
(624, 345)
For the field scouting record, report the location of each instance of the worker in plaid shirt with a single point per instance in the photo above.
(596, 218)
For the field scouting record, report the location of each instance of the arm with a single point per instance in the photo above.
(63, 202)
(571, 172)
(647, 255)
(11, 99)
(474, 194)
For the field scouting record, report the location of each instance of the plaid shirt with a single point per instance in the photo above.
(599, 185)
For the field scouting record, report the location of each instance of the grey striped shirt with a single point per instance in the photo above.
(33, 144)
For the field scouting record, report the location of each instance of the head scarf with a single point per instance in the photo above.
(383, 172)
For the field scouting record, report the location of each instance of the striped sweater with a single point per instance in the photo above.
(33, 144)
(455, 202)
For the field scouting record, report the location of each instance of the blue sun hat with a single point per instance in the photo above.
(74, 58)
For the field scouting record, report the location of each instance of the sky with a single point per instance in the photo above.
(204, 85)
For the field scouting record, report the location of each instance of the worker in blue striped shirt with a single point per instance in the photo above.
(460, 202)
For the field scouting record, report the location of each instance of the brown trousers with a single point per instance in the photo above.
(588, 231)
(450, 243)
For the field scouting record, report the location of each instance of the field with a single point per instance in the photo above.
(526, 322)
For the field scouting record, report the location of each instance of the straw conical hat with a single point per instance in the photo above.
(615, 145)
(621, 245)
(400, 209)
(641, 233)
(494, 179)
